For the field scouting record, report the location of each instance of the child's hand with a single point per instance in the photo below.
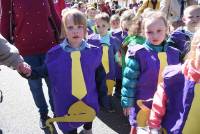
(127, 111)
(24, 68)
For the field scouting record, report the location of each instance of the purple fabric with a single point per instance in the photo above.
(120, 35)
(59, 69)
(113, 48)
(180, 93)
(149, 70)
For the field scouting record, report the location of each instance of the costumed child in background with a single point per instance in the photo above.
(91, 13)
(73, 67)
(110, 47)
(182, 36)
(134, 37)
(125, 22)
(175, 105)
(144, 63)
(115, 24)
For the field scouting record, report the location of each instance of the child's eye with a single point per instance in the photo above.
(70, 28)
(126, 29)
(149, 32)
(98, 26)
(159, 31)
(80, 26)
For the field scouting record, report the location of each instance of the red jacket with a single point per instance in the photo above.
(32, 29)
(59, 6)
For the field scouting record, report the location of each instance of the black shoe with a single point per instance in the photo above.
(1, 132)
(42, 122)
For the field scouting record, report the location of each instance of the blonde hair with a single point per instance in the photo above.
(194, 44)
(152, 15)
(190, 8)
(78, 18)
(103, 16)
(136, 26)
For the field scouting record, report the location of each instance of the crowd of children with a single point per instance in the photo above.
(152, 68)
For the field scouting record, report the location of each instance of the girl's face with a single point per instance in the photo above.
(125, 25)
(74, 33)
(91, 14)
(155, 31)
(115, 24)
(102, 27)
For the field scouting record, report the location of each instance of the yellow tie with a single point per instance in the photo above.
(105, 59)
(163, 62)
(78, 83)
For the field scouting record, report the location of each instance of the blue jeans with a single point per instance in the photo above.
(36, 85)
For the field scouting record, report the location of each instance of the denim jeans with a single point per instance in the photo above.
(36, 85)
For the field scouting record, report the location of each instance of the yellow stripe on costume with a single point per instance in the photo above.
(163, 63)
(78, 82)
(193, 120)
(105, 59)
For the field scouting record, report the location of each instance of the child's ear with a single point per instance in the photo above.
(183, 19)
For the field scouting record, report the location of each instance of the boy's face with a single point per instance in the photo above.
(155, 31)
(102, 27)
(192, 18)
(74, 33)
(91, 14)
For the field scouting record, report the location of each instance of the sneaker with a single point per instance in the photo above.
(84, 131)
(42, 122)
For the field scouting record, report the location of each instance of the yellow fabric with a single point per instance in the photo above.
(192, 123)
(110, 84)
(143, 114)
(163, 62)
(105, 58)
(78, 83)
(78, 112)
(147, 4)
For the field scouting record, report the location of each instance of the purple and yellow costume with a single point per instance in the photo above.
(141, 75)
(74, 108)
(173, 100)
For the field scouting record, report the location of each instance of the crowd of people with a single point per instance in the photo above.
(146, 54)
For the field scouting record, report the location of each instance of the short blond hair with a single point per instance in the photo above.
(78, 18)
(154, 15)
(190, 8)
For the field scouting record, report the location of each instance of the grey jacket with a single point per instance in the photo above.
(9, 54)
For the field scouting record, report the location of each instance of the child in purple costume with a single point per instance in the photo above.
(174, 96)
(58, 67)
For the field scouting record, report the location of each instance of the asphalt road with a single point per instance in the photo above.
(18, 113)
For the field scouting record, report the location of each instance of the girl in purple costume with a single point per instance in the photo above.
(141, 73)
(74, 108)
(174, 96)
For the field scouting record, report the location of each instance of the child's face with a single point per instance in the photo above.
(74, 33)
(115, 24)
(125, 25)
(102, 26)
(192, 18)
(91, 14)
(155, 31)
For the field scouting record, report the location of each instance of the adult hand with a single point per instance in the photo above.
(24, 68)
